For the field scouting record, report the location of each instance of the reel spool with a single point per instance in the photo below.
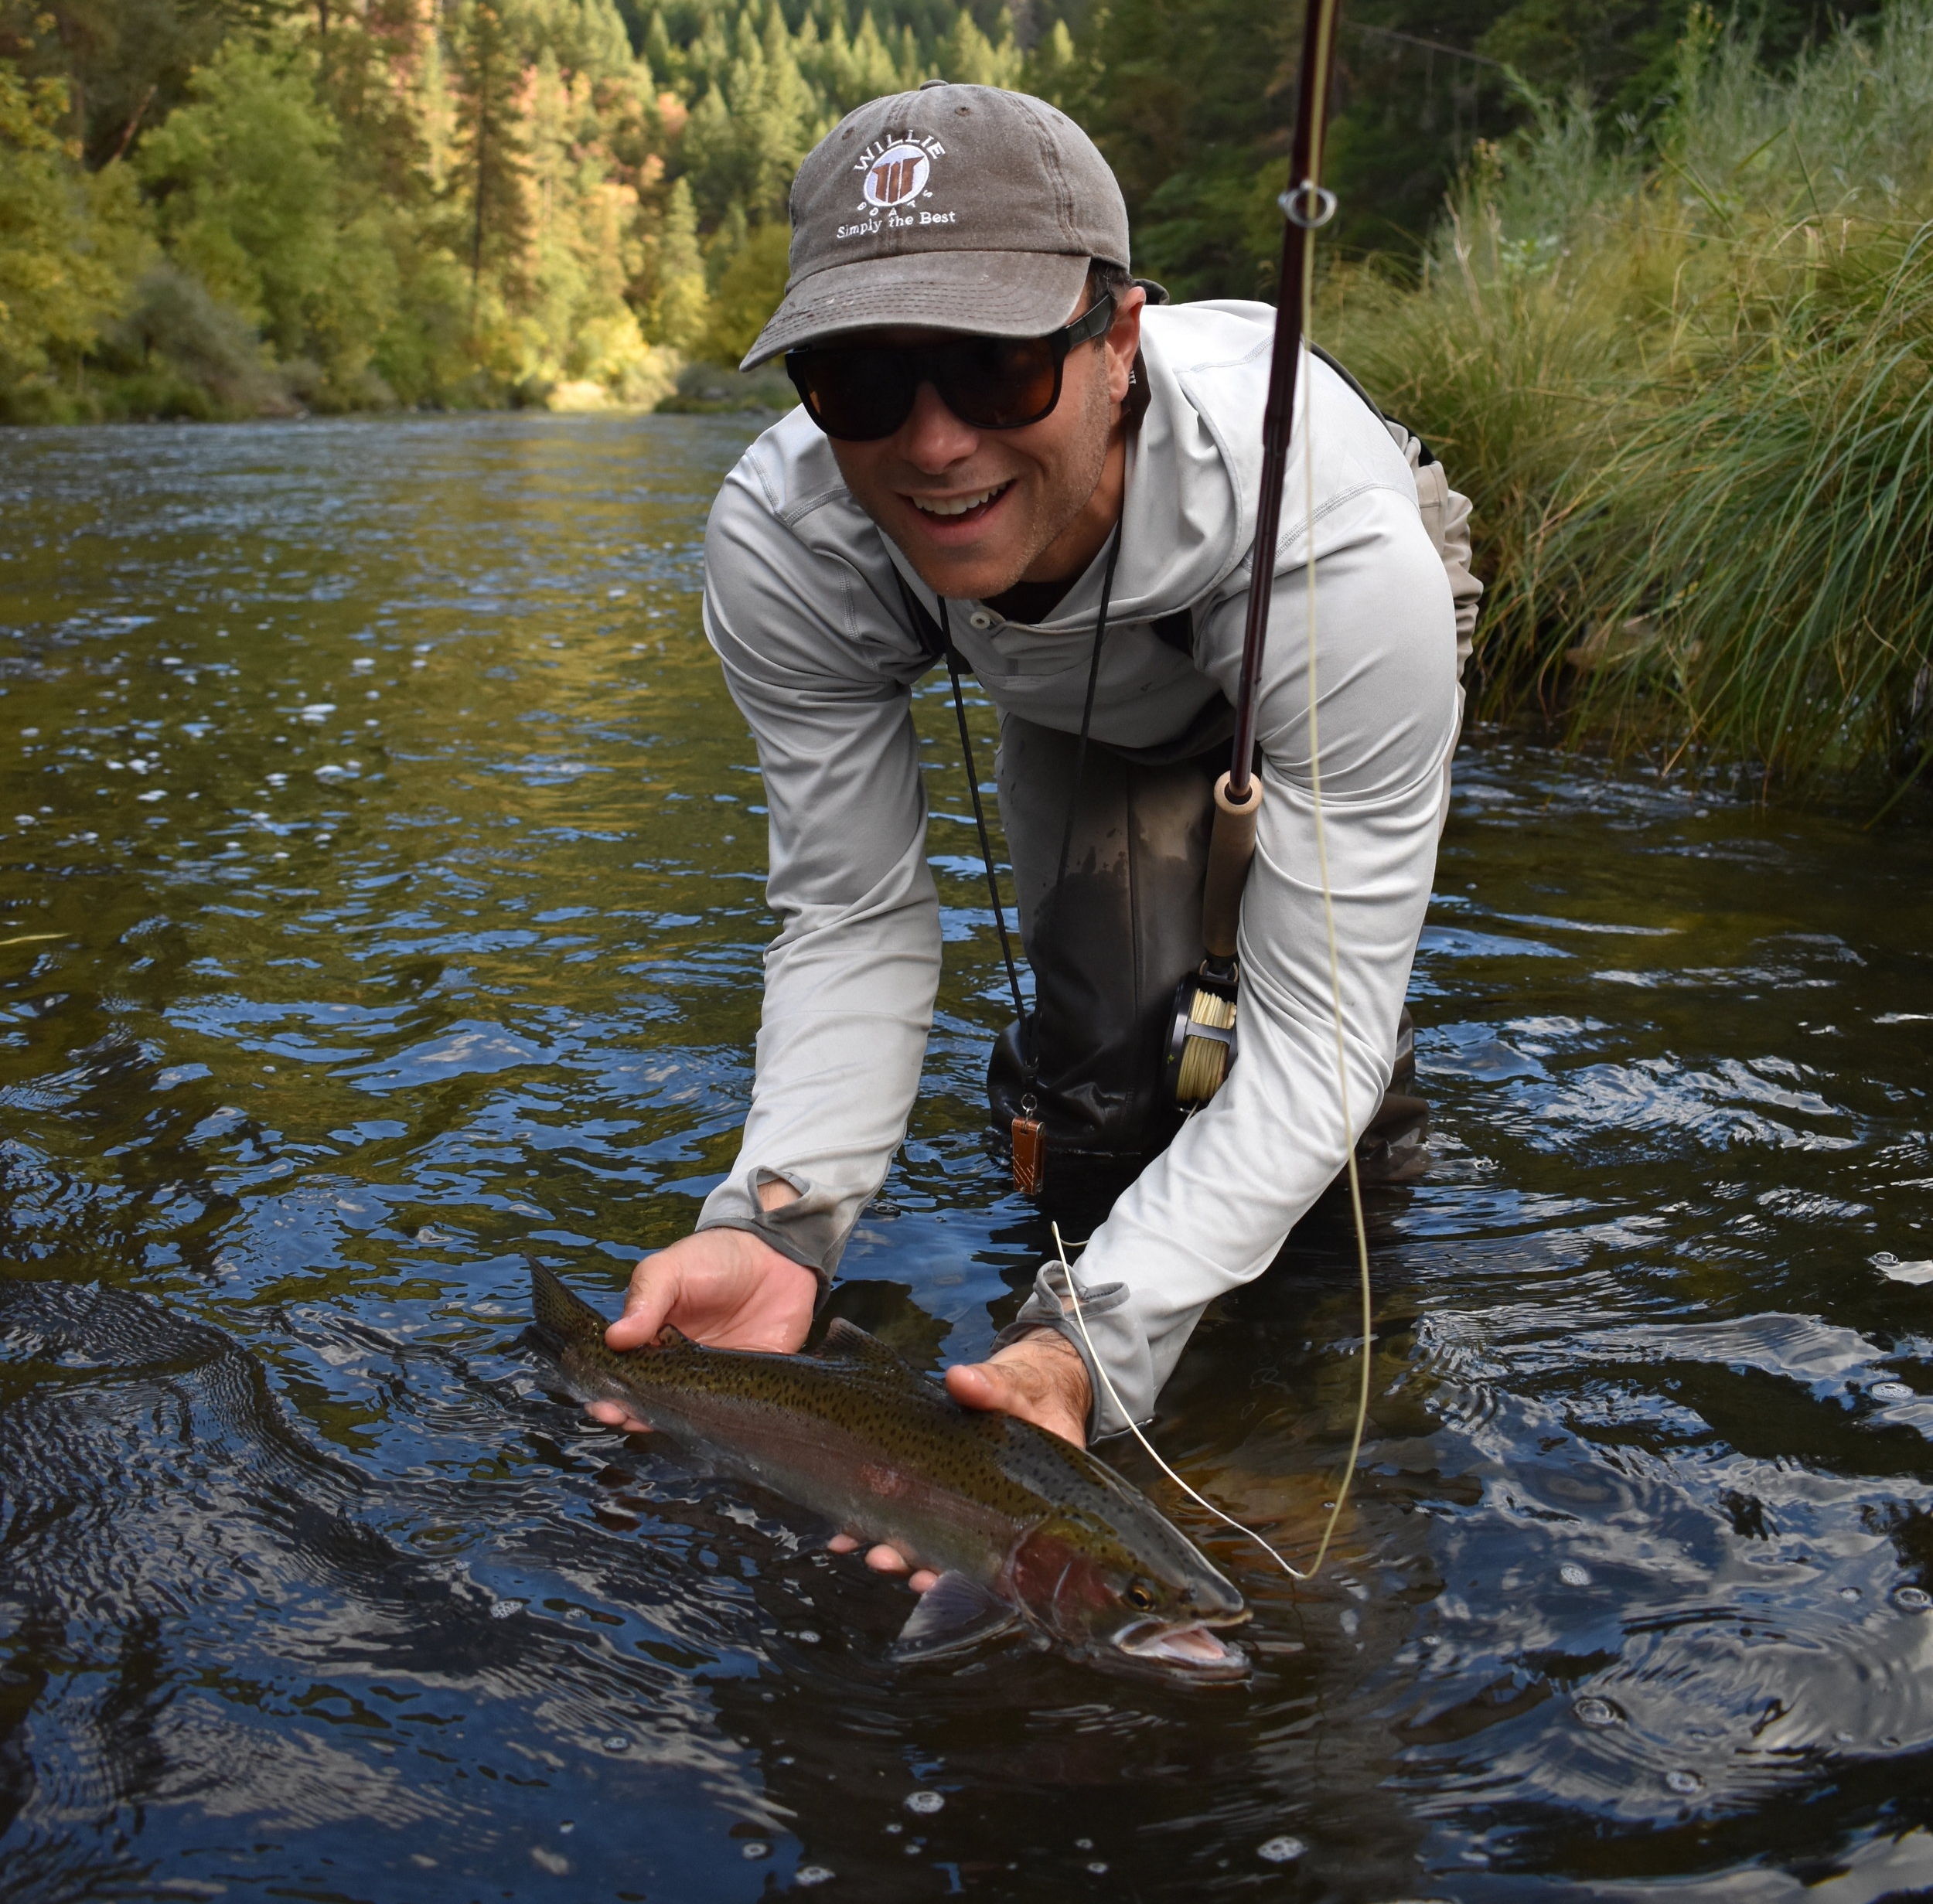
(1201, 1040)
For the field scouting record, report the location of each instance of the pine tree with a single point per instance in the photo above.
(592, 39)
(490, 164)
(874, 71)
(969, 56)
(710, 153)
(664, 59)
(680, 313)
(1053, 68)
(724, 243)
(780, 125)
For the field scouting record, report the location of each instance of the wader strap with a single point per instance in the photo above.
(1425, 455)
(1027, 1133)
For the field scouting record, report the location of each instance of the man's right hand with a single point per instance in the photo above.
(727, 1289)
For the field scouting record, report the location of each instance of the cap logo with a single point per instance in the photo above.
(895, 174)
(899, 173)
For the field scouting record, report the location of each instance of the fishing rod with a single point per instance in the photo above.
(1201, 1041)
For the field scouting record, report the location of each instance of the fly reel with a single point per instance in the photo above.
(1201, 1040)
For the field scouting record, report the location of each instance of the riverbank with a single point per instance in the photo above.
(1683, 371)
(1690, 396)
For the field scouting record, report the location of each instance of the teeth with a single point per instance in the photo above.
(954, 505)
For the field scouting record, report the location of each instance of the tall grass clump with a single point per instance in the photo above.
(1691, 393)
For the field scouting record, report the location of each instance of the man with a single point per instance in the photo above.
(1003, 445)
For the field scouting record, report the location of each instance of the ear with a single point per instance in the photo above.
(1123, 341)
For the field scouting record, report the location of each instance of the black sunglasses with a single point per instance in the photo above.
(859, 393)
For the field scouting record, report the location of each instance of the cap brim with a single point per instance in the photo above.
(994, 294)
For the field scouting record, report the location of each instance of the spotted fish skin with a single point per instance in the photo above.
(1025, 1525)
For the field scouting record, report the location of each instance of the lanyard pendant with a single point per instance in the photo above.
(1030, 1151)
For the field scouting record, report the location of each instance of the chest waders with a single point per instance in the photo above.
(1131, 924)
(1112, 849)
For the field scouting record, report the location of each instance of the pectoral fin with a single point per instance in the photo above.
(954, 1613)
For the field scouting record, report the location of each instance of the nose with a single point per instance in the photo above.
(933, 439)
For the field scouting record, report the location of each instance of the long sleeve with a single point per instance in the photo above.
(1213, 1211)
(810, 658)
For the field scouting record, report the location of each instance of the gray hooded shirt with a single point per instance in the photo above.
(804, 603)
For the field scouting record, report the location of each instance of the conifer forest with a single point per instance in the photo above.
(1597, 251)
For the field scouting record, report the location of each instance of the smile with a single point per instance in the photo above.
(954, 506)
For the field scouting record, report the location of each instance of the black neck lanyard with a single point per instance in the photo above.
(1028, 1052)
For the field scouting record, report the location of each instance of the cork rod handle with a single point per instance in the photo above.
(1231, 846)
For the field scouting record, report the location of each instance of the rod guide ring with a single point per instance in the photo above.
(1309, 205)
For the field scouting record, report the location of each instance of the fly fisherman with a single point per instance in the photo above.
(1005, 445)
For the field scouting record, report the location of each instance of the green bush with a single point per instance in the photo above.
(67, 241)
(1691, 401)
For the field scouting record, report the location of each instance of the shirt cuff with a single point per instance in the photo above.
(809, 1231)
(1050, 1306)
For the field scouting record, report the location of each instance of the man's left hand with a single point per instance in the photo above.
(1041, 1379)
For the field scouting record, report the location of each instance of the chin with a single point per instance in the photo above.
(971, 572)
(962, 579)
(965, 570)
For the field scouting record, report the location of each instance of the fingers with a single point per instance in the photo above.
(978, 1385)
(884, 1559)
(724, 1287)
(615, 1414)
(887, 1560)
(653, 1294)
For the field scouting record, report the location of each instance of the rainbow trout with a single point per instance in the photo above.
(1021, 1527)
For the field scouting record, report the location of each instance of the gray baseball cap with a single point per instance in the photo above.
(961, 207)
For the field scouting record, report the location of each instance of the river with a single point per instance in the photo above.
(382, 881)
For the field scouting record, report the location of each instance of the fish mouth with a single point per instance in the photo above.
(1194, 1651)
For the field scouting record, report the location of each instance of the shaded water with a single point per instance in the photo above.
(383, 901)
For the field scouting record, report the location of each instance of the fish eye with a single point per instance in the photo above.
(1140, 1597)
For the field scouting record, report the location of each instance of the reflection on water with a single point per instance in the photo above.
(382, 900)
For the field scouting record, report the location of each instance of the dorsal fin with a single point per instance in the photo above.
(671, 1338)
(560, 1310)
(846, 1342)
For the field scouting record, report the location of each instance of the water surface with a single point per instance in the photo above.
(382, 881)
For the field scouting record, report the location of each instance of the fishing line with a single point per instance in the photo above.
(1341, 1062)
(1328, 922)
(1107, 1382)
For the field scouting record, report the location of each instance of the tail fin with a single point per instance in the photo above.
(559, 1313)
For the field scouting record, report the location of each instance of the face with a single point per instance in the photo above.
(977, 511)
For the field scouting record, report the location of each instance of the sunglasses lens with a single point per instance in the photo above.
(858, 395)
(998, 382)
(991, 383)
